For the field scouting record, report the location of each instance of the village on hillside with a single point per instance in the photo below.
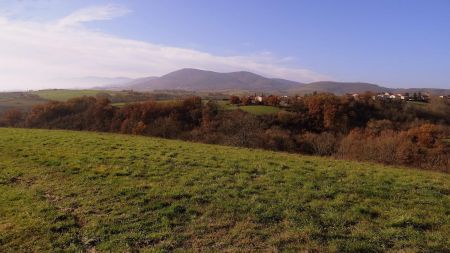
(286, 101)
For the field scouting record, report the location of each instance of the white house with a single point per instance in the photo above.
(402, 96)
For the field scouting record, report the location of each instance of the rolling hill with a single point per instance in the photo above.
(338, 88)
(96, 192)
(247, 82)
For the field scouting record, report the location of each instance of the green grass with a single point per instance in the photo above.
(18, 100)
(260, 109)
(254, 109)
(78, 191)
(165, 101)
(119, 104)
(64, 95)
(417, 103)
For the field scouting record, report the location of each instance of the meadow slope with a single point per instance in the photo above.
(79, 191)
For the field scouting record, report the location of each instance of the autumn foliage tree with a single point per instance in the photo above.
(12, 117)
(235, 100)
(272, 100)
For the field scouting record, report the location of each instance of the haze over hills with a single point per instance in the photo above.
(126, 83)
(201, 80)
(89, 81)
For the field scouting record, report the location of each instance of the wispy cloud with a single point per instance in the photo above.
(94, 13)
(34, 54)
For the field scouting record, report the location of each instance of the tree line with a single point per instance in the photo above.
(363, 129)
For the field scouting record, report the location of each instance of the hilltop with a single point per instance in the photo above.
(80, 191)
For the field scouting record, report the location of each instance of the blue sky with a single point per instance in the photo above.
(390, 42)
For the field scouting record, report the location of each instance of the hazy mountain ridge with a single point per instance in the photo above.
(201, 80)
(242, 81)
(339, 88)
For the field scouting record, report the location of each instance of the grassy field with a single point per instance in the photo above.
(122, 104)
(18, 100)
(25, 100)
(77, 191)
(417, 103)
(254, 109)
(64, 95)
(119, 104)
(260, 109)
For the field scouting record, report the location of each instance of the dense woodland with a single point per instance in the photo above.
(389, 132)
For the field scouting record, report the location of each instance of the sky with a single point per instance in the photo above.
(56, 43)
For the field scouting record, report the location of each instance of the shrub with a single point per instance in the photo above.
(323, 144)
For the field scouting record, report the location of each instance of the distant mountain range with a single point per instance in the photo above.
(242, 82)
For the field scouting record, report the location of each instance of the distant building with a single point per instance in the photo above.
(402, 96)
(425, 97)
(382, 96)
(390, 96)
